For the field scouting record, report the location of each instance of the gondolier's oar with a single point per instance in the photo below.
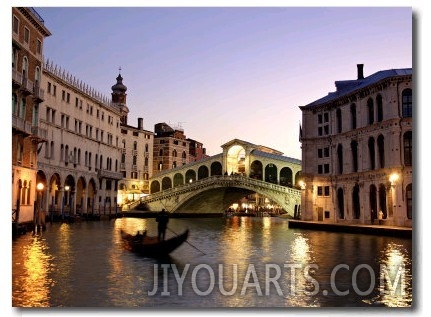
(188, 242)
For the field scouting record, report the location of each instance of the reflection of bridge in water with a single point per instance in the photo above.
(215, 183)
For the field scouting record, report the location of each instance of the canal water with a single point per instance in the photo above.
(226, 262)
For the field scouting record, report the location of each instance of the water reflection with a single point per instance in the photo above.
(257, 262)
(31, 274)
(395, 276)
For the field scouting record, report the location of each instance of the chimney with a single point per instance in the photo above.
(140, 123)
(360, 71)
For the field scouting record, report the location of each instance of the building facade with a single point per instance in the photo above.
(357, 151)
(171, 148)
(79, 164)
(28, 34)
(136, 163)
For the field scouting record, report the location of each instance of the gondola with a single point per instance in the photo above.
(151, 246)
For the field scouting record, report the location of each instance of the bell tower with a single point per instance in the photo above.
(119, 98)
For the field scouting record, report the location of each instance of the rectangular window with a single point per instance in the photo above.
(26, 35)
(68, 98)
(319, 131)
(326, 168)
(319, 119)
(326, 152)
(319, 191)
(319, 169)
(15, 25)
(319, 153)
(54, 93)
(63, 95)
(326, 128)
(49, 88)
(326, 190)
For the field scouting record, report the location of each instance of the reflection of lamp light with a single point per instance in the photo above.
(190, 181)
(393, 178)
(67, 188)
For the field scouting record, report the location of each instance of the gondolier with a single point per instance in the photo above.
(162, 219)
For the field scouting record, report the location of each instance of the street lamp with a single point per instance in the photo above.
(63, 202)
(393, 178)
(39, 188)
(301, 184)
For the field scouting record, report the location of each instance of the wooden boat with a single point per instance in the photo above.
(151, 246)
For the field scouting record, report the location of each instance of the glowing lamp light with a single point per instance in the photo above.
(301, 184)
(393, 178)
(39, 186)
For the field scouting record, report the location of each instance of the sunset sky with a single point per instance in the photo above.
(226, 72)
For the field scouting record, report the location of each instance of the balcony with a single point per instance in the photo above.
(38, 94)
(109, 174)
(41, 135)
(21, 126)
(16, 79)
(27, 86)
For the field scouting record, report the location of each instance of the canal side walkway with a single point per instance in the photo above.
(381, 230)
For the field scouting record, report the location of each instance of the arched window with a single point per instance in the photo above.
(135, 145)
(174, 153)
(340, 198)
(408, 148)
(407, 103)
(37, 77)
(353, 115)
(339, 121)
(340, 158)
(24, 67)
(354, 148)
(379, 102)
(356, 202)
(370, 106)
(372, 153)
(409, 200)
(22, 107)
(14, 104)
(381, 150)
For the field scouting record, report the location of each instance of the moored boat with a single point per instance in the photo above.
(151, 246)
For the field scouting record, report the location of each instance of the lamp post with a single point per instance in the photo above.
(66, 197)
(39, 188)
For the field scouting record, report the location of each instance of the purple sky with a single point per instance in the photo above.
(227, 72)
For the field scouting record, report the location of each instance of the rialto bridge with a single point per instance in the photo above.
(212, 185)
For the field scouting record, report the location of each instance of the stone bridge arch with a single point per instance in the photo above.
(215, 194)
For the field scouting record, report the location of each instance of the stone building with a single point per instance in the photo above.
(28, 34)
(136, 147)
(93, 161)
(357, 151)
(80, 162)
